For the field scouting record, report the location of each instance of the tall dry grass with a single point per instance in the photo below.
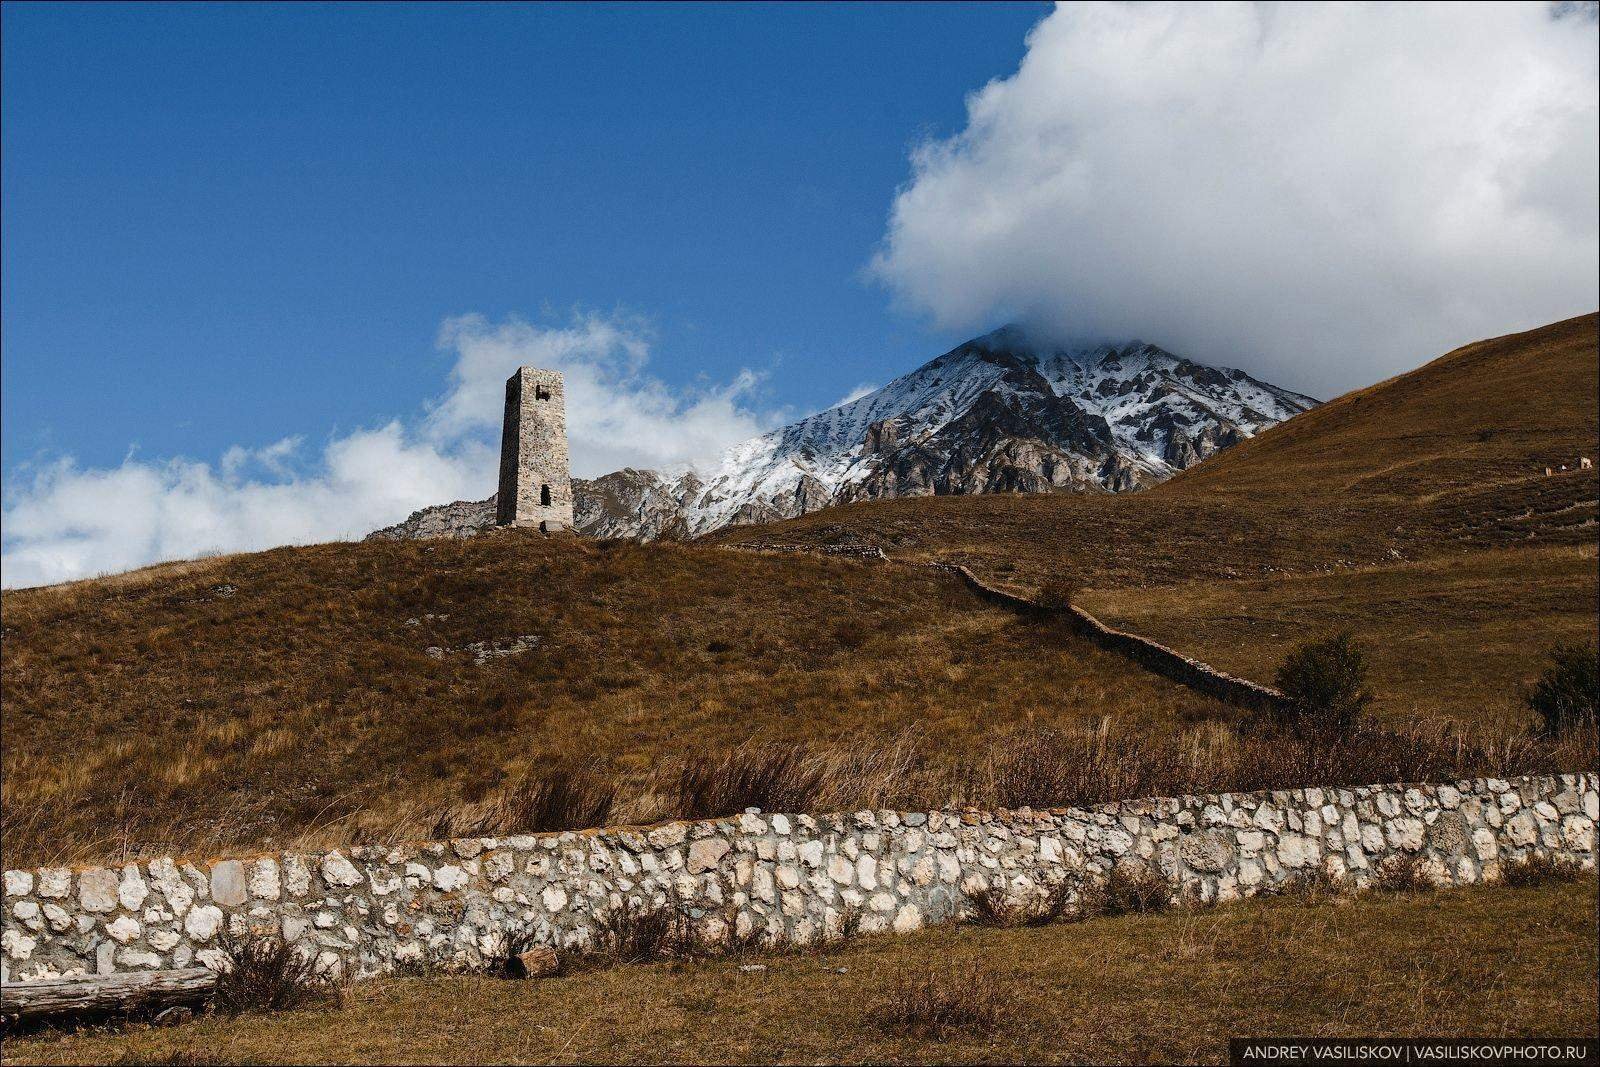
(1036, 767)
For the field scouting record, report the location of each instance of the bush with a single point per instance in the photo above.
(561, 799)
(994, 907)
(1403, 874)
(1057, 594)
(1325, 682)
(1129, 890)
(938, 1003)
(639, 933)
(772, 779)
(1566, 695)
(266, 974)
(1536, 870)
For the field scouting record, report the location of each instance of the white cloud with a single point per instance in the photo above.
(617, 414)
(62, 521)
(1324, 194)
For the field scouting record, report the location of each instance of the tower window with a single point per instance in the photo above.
(540, 392)
(544, 496)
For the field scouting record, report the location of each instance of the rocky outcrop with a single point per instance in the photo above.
(460, 519)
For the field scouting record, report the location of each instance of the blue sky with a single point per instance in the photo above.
(225, 225)
(265, 267)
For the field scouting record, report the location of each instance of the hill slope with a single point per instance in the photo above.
(260, 698)
(1345, 507)
(1494, 413)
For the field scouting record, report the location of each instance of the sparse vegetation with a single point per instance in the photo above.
(636, 932)
(1326, 683)
(560, 799)
(1128, 889)
(1483, 960)
(1567, 695)
(1403, 874)
(1057, 594)
(264, 974)
(772, 778)
(1541, 869)
(992, 906)
(302, 710)
(935, 1002)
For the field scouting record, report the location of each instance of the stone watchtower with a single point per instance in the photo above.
(535, 485)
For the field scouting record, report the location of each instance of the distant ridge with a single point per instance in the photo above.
(998, 414)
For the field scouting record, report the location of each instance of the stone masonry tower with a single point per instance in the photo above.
(535, 484)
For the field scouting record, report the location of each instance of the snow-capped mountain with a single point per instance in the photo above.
(997, 414)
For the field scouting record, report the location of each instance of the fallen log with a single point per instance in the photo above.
(100, 994)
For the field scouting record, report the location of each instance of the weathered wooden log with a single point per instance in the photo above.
(141, 991)
(537, 962)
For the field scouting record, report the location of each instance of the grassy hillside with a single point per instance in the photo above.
(1404, 512)
(259, 698)
(1490, 961)
(355, 691)
(1491, 414)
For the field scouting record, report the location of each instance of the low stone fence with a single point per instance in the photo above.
(787, 878)
(1157, 658)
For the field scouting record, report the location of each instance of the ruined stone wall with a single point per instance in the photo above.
(794, 877)
(1153, 656)
(533, 453)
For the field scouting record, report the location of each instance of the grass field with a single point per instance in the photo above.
(1170, 988)
(1415, 513)
(1444, 638)
(289, 696)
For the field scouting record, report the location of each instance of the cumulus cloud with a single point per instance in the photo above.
(617, 414)
(63, 521)
(1324, 194)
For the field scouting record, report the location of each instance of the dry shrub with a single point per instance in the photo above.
(266, 974)
(1567, 696)
(1313, 883)
(958, 998)
(635, 932)
(1128, 890)
(1048, 767)
(565, 798)
(997, 908)
(1539, 869)
(769, 777)
(1403, 874)
(1057, 594)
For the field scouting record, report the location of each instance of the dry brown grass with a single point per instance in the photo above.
(938, 1000)
(1415, 513)
(1454, 638)
(288, 697)
(1165, 988)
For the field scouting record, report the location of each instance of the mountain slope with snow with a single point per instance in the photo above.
(996, 414)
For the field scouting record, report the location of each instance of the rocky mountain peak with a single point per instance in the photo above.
(1004, 412)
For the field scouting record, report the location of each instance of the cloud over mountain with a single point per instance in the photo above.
(1324, 195)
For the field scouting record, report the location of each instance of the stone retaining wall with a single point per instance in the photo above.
(1157, 658)
(794, 878)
